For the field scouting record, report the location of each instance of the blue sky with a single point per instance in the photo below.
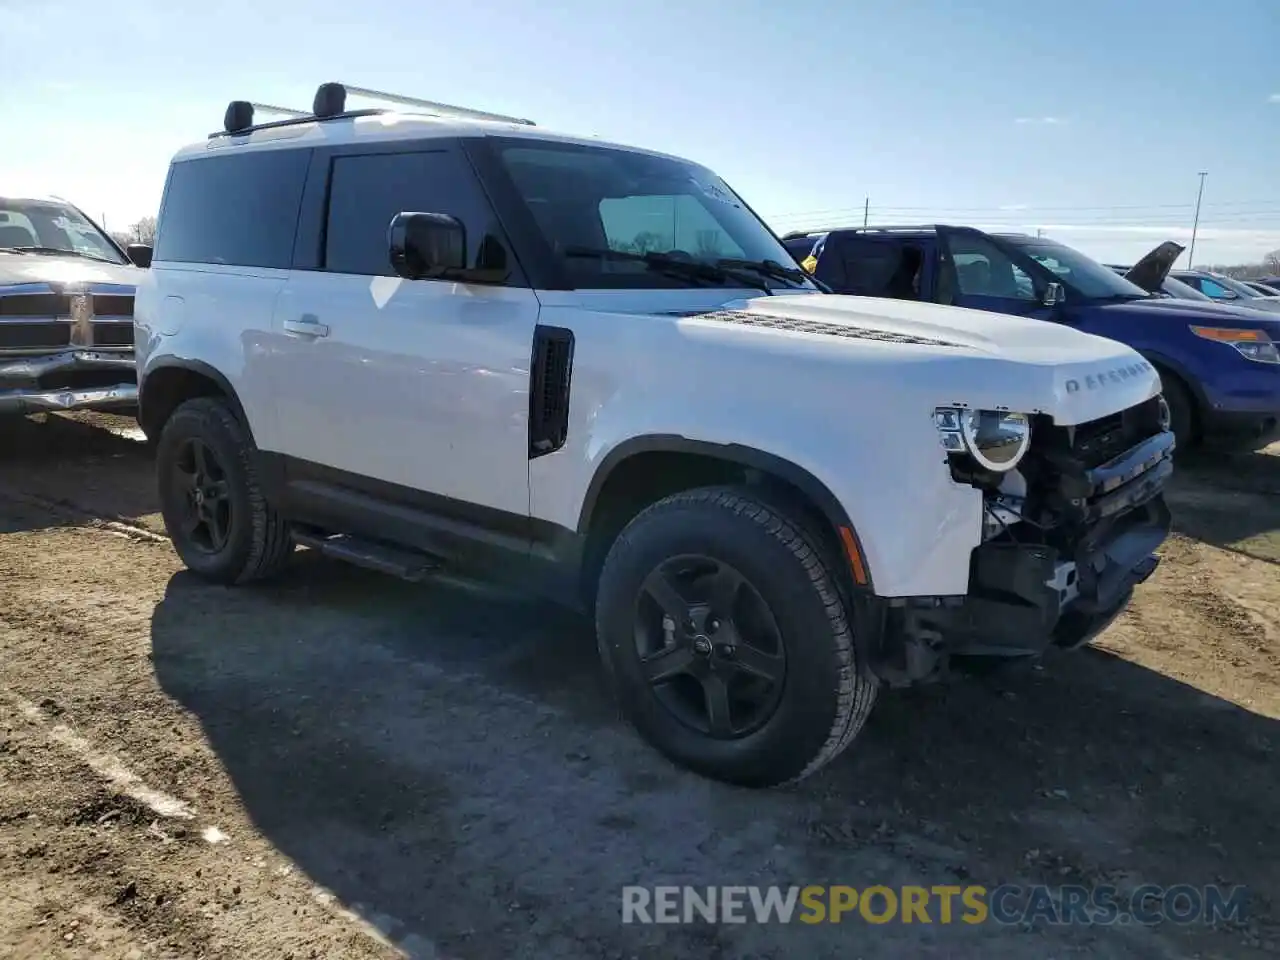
(1088, 119)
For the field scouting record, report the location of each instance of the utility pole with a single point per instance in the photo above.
(1191, 255)
(866, 210)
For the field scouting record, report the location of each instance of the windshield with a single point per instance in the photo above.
(586, 198)
(55, 226)
(1087, 277)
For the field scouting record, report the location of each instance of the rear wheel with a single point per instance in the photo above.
(728, 644)
(221, 525)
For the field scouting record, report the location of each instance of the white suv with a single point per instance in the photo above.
(449, 339)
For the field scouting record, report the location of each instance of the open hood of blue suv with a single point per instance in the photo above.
(1152, 270)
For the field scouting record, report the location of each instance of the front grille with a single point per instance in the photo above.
(1062, 466)
(42, 321)
(1100, 441)
(36, 305)
(112, 305)
(34, 336)
(113, 334)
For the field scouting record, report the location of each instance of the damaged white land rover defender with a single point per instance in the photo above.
(447, 339)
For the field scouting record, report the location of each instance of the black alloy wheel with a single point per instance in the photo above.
(206, 520)
(709, 646)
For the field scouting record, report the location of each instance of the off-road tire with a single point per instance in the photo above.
(826, 695)
(260, 541)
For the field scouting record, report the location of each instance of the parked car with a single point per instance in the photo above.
(1169, 287)
(460, 341)
(1220, 365)
(66, 310)
(1224, 289)
(1265, 289)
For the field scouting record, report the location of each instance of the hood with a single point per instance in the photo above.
(21, 269)
(1194, 311)
(1150, 272)
(953, 354)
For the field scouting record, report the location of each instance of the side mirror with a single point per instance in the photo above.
(1054, 294)
(427, 245)
(139, 254)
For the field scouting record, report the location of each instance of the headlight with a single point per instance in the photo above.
(1254, 344)
(997, 440)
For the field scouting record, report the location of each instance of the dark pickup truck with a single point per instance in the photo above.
(1220, 365)
(66, 310)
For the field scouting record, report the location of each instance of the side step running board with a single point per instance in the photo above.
(404, 564)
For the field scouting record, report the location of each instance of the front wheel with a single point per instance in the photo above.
(727, 642)
(220, 523)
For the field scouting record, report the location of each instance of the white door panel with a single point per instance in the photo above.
(419, 383)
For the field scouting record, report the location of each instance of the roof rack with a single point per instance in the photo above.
(331, 104)
(888, 228)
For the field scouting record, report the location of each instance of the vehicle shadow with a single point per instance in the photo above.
(1230, 501)
(448, 763)
(94, 463)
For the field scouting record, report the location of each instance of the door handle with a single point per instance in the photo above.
(307, 326)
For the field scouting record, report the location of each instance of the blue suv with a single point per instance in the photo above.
(1220, 365)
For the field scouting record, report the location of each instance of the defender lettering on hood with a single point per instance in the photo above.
(1108, 377)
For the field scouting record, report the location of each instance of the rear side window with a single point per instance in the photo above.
(367, 191)
(881, 267)
(238, 209)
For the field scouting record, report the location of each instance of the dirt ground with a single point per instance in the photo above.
(343, 765)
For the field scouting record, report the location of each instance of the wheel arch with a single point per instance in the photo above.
(171, 382)
(1199, 401)
(643, 469)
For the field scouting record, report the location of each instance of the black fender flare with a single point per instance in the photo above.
(751, 458)
(201, 369)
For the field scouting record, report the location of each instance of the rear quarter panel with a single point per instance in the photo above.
(218, 316)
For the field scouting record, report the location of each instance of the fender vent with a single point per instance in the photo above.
(746, 319)
(549, 379)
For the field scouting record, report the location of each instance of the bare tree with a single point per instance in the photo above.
(144, 231)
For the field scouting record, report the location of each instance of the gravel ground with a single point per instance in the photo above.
(343, 765)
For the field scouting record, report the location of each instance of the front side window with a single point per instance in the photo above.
(984, 270)
(600, 210)
(52, 228)
(367, 191)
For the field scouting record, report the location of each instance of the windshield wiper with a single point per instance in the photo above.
(56, 251)
(767, 268)
(672, 265)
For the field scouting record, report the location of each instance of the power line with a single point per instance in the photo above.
(1031, 210)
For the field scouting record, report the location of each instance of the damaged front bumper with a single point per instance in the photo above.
(1025, 598)
(68, 380)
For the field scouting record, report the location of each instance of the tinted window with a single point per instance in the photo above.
(881, 267)
(367, 191)
(238, 209)
(984, 270)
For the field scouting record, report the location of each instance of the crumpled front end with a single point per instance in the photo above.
(1067, 536)
(66, 347)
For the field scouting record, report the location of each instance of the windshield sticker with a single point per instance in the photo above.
(716, 190)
